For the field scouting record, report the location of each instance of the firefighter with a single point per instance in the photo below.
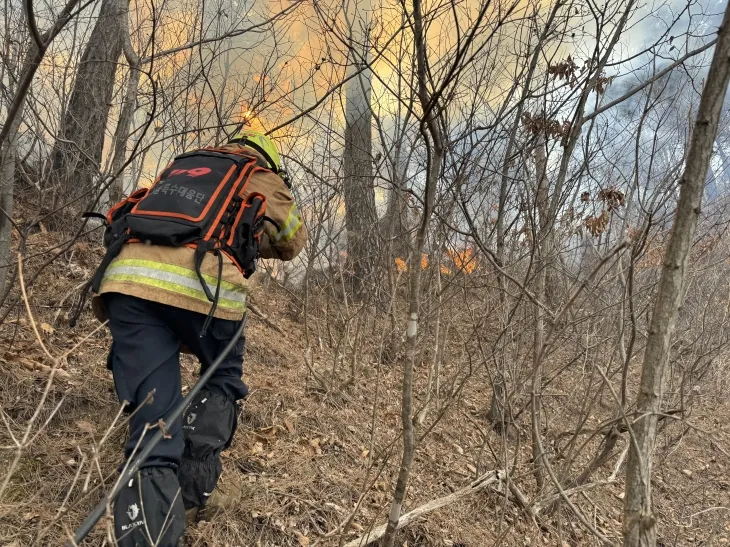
(152, 296)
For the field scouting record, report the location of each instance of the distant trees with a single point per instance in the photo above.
(19, 67)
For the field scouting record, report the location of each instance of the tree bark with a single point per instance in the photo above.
(8, 153)
(396, 218)
(436, 153)
(121, 134)
(76, 157)
(542, 262)
(359, 190)
(639, 517)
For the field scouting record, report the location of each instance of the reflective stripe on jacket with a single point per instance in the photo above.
(167, 275)
(176, 279)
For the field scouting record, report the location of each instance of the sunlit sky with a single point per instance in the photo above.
(271, 77)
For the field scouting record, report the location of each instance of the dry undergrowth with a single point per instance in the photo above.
(304, 457)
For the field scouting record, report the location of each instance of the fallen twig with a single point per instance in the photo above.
(264, 318)
(475, 486)
(35, 366)
(542, 504)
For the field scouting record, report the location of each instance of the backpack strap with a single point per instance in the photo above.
(200, 253)
(95, 282)
(93, 214)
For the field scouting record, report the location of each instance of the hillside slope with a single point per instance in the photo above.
(306, 458)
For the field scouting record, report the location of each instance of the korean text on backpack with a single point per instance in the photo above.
(197, 201)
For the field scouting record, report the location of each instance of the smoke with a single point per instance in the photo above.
(671, 28)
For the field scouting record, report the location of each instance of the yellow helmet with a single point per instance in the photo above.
(262, 144)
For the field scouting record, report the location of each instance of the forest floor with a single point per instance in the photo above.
(304, 456)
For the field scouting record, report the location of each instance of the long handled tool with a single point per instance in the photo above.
(134, 466)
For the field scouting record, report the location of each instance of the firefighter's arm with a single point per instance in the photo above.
(285, 235)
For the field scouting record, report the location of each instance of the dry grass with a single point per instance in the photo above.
(302, 455)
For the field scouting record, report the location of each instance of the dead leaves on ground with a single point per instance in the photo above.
(85, 426)
(10, 358)
(262, 442)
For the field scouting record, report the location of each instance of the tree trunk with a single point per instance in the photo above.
(359, 191)
(130, 103)
(542, 263)
(499, 401)
(396, 218)
(436, 154)
(639, 517)
(76, 157)
(8, 157)
(8, 153)
(414, 301)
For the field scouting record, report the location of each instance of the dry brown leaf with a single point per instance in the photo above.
(289, 425)
(303, 540)
(314, 443)
(364, 454)
(86, 427)
(29, 516)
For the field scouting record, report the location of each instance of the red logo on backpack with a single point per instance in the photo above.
(197, 172)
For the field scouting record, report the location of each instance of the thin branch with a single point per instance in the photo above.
(475, 486)
(32, 24)
(30, 313)
(648, 82)
(231, 34)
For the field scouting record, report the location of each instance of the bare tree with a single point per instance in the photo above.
(9, 134)
(77, 154)
(639, 517)
(121, 135)
(358, 189)
(432, 133)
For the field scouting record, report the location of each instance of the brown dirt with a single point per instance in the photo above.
(301, 455)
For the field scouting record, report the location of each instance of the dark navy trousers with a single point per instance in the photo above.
(145, 362)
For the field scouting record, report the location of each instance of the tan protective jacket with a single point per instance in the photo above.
(167, 274)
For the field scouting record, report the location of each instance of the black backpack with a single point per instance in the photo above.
(196, 201)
